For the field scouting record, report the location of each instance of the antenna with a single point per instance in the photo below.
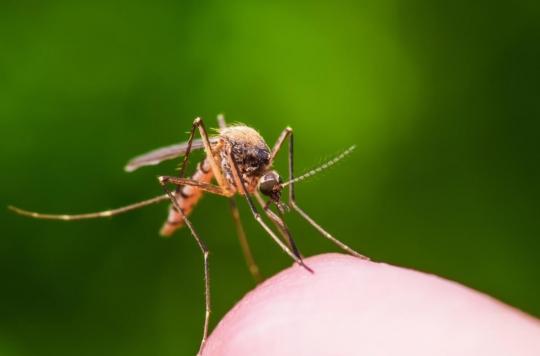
(320, 168)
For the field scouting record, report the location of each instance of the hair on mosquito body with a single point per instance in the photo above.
(237, 161)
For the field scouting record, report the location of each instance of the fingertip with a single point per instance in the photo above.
(350, 305)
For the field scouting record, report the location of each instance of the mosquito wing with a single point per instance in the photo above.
(162, 154)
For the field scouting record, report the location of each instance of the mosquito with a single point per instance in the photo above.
(240, 162)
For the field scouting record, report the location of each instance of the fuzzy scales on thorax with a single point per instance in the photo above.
(250, 152)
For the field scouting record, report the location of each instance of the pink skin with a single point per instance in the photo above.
(353, 307)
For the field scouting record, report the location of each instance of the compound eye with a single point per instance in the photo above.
(266, 186)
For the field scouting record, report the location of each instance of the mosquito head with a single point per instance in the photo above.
(270, 185)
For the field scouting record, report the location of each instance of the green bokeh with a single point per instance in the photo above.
(441, 99)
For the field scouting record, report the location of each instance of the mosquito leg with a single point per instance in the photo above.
(205, 253)
(325, 233)
(284, 247)
(216, 168)
(188, 151)
(258, 218)
(244, 244)
(281, 139)
(100, 214)
(292, 198)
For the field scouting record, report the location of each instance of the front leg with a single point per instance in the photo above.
(288, 133)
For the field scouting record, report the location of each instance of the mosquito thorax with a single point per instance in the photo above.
(270, 184)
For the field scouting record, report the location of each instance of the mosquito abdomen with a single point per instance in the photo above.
(187, 197)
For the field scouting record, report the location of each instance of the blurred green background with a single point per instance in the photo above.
(441, 98)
